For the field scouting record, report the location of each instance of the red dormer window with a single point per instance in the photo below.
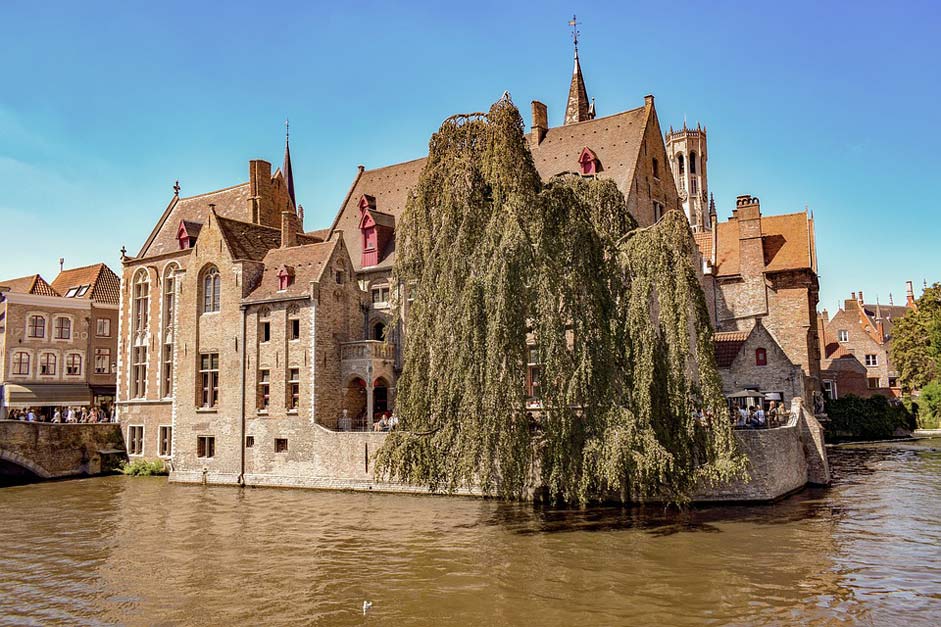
(285, 277)
(376, 229)
(588, 163)
(186, 234)
(761, 357)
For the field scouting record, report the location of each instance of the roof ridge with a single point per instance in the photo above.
(100, 263)
(254, 224)
(218, 191)
(394, 165)
(607, 117)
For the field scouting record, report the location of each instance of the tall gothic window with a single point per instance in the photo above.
(692, 163)
(169, 306)
(141, 293)
(681, 164)
(212, 284)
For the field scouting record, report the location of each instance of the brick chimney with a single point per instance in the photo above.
(288, 229)
(861, 300)
(540, 122)
(909, 294)
(747, 214)
(261, 199)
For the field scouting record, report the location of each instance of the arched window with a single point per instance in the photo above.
(37, 326)
(212, 284)
(63, 329)
(21, 363)
(761, 357)
(681, 164)
(47, 364)
(692, 163)
(73, 364)
(379, 331)
(141, 295)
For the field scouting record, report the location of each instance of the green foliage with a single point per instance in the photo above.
(874, 418)
(929, 406)
(916, 342)
(494, 257)
(144, 468)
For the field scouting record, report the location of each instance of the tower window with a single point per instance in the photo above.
(656, 168)
(692, 163)
(681, 164)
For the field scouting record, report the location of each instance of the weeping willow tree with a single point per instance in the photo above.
(498, 264)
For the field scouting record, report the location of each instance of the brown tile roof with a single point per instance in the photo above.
(616, 140)
(308, 263)
(104, 285)
(32, 284)
(785, 240)
(319, 234)
(704, 242)
(253, 241)
(727, 345)
(231, 202)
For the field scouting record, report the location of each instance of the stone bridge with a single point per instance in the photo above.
(47, 451)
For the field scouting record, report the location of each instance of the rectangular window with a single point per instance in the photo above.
(165, 441)
(249, 441)
(656, 169)
(264, 389)
(380, 295)
(294, 388)
(872, 360)
(829, 390)
(205, 446)
(209, 378)
(872, 382)
(73, 364)
(139, 371)
(102, 361)
(47, 364)
(166, 372)
(63, 329)
(21, 363)
(761, 357)
(135, 440)
(657, 211)
(295, 328)
(280, 445)
(533, 373)
(104, 327)
(37, 326)
(843, 335)
(693, 185)
(264, 333)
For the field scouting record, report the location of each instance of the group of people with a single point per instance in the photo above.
(755, 417)
(386, 422)
(68, 415)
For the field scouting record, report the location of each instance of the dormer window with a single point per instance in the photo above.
(187, 233)
(285, 277)
(376, 229)
(588, 164)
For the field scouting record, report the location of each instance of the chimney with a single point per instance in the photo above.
(853, 295)
(540, 122)
(751, 249)
(826, 315)
(909, 294)
(259, 174)
(61, 263)
(300, 218)
(861, 301)
(648, 101)
(288, 229)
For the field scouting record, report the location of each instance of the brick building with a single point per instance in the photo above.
(763, 271)
(58, 341)
(858, 339)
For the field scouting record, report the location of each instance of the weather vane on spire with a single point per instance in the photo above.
(574, 24)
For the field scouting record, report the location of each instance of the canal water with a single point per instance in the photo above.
(139, 551)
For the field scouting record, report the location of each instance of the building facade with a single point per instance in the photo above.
(58, 341)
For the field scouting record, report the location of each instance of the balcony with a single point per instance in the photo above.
(367, 349)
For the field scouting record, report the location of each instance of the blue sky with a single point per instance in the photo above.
(825, 104)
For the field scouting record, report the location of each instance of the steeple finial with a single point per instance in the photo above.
(578, 108)
(286, 169)
(176, 188)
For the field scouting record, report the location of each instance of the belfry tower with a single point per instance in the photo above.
(688, 154)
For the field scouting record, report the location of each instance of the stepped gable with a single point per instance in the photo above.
(307, 262)
(786, 241)
(727, 345)
(104, 285)
(616, 140)
(32, 284)
(230, 202)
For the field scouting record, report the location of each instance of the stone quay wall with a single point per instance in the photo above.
(50, 450)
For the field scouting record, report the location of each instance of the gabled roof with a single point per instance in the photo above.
(786, 241)
(308, 263)
(229, 202)
(727, 345)
(616, 140)
(32, 284)
(247, 241)
(704, 242)
(104, 286)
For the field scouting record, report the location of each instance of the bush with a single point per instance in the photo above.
(928, 406)
(875, 418)
(144, 468)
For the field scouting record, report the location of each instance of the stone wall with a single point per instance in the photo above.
(57, 450)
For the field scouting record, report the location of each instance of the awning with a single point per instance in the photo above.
(45, 394)
(745, 394)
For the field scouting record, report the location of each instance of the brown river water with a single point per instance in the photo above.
(140, 551)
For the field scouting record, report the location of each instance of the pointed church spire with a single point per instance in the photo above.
(578, 108)
(286, 168)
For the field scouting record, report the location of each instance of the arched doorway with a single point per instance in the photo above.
(353, 416)
(380, 396)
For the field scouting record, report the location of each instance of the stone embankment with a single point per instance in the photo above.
(48, 451)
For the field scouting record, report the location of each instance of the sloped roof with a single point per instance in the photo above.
(727, 345)
(704, 242)
(253, 241)
(308, 262)
(230, 202)
(319, 234)
(104, 285)
(32, 284)
(785, 240)
(616, 141)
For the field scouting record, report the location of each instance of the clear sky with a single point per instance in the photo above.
(823, 104)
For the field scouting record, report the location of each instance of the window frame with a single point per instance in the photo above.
(842, 336)
(165, 441)
(140, 295)
(263, 391)
(139, 371)
(47, 362)
(209, 380)
(103, 352)
(107, 327)
(211, 284)
(761, 356)
(280, 445)
(70, 363)
(62, 328)
(36, 331)
(871, 363)
(205, 446)
(294, 389)
(294, 329)
(18, 363)
(135, 445)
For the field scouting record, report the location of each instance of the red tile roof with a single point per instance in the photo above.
(727, 345)
(32, 284)
(104, 286)
(786, 241)
(308, 263)
(704, 241)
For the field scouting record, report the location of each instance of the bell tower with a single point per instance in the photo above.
(688, 155)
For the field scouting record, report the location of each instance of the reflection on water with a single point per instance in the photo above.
(140, 551)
